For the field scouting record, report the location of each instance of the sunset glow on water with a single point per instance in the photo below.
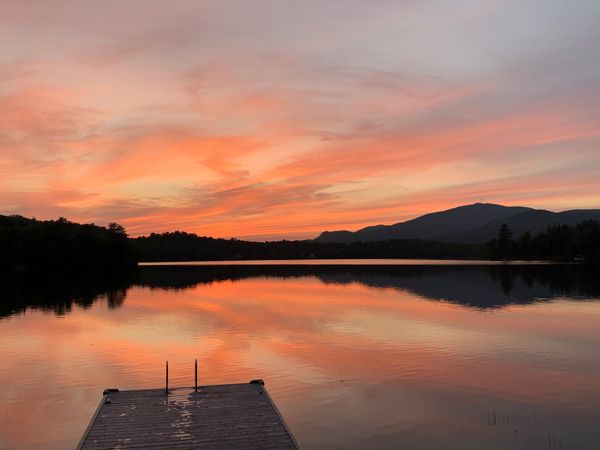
(352, 357)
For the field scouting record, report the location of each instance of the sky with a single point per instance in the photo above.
(283, 118)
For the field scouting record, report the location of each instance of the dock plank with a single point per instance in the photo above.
(232, 416)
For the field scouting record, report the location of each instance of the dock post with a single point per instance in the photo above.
(196, 375)
(167, 378)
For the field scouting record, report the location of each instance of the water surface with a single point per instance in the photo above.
(355, 356)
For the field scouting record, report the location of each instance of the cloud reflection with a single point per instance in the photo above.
(346, 352)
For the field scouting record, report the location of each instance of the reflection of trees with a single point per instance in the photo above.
(116, 298)
(478, 286)
(507, 283)
(21, 291)
(570, 280)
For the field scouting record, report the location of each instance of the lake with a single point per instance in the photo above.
(416, 355)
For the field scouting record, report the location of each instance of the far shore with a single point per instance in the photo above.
(353, 262)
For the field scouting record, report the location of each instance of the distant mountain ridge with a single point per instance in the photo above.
(470, 224)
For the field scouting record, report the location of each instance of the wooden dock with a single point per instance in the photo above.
(229, 416)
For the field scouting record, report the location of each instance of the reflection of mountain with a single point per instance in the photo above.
(480, 286)
(26, 290)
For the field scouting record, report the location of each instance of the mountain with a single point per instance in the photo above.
(431, 226)
(476, 223)
(535, 221)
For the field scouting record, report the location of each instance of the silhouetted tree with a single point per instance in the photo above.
(524, 245)
(503, 246)
(116, 229)
(586, 242)
(558, 242)
(61, 245)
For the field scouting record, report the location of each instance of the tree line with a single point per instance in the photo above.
(182, 246)
(53, 245)
(61, 244)
(558, 242)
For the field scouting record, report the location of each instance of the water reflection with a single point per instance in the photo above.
(355, 357)
(59, 293)
(476, 286)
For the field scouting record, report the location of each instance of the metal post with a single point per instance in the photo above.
(167, 378)
(196, 375)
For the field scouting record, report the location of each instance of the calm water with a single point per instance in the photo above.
(356, 356)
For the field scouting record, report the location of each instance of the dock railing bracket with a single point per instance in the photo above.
(196, 375)
(167, 377)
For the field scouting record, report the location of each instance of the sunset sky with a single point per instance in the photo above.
(281, 119)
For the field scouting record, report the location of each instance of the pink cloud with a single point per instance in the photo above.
(244, 128)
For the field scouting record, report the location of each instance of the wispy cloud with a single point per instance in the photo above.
(285, 120)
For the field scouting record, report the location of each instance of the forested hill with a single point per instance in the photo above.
(63, 245)
(558, 242)
(181, 246)
(52, 245)
(477, 223)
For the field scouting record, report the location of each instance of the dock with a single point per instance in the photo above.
(229, 416)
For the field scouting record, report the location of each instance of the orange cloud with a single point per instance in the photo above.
(222, 128)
